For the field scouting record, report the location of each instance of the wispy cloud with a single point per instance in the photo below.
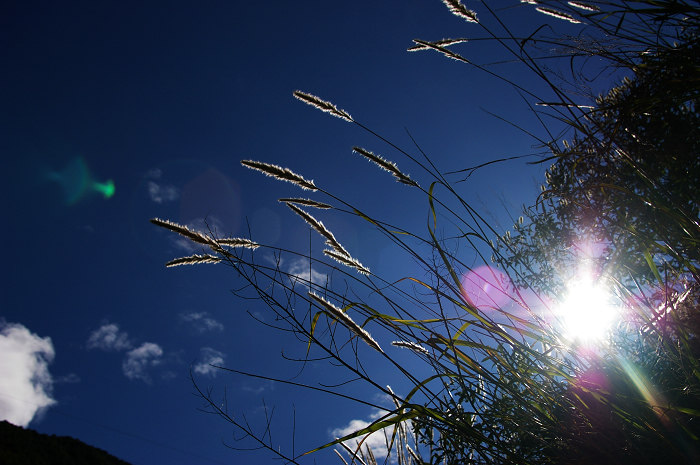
(259, 388)
(109, 337)
(140, 359)
(207, 358)
(25, 381)
(201, 321)
(300, 272)
(161, 193)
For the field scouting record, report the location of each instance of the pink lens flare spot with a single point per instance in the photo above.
(592, 380)
(486, 287)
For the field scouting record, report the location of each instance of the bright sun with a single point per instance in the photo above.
(588, 311)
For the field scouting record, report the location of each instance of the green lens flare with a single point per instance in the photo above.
(76, 182)
(106, 188)
(73, 180)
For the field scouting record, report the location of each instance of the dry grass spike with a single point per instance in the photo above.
(306, 202)
(558, 14)
(386, 165)
(347, 321)
(440, 43)
(323, 105)
(445, 51)
(411, 345)
(194, 236)
(193, 260)
(347, 261)
(321, 229)
(277, 172)
(584, 6)
(458, 9)
(238, 242)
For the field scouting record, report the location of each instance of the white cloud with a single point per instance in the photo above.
(160, 193)
(207, 358)
(301, 273)
(259, 388)
(140, 359)
(25, 381)
(376, 441)
(201, 321)
(108, 337)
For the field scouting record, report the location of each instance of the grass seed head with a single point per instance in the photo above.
(238, 242)
(283, 174)
(347, 261)
(412, 346)
(584, 6)
(458, 9)
(193, 260)
(558, 14)
(321, 229)
(306, 202)
(347, 321)
(441, 43)
(323, 105)
(386, 165)
(194, 236)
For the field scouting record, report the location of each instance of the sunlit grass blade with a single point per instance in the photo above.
(194, 236)
(238, 242)
(412, 346)
(445, 51)
(306, 202)
(322, 105)
(557, 14)
(277, 172)
(584, 6)
(347, 321)
(347, 261)
(386, 165)
(458, 9)
(439, 43)
(321, 229)
(193, 260)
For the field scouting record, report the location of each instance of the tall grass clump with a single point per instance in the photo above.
(508, 381)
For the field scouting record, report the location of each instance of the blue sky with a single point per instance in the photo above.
(164, 99)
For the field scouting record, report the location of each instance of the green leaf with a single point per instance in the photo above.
(652, 266)
(311, 333)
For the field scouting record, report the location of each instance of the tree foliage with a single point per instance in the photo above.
(625, 187)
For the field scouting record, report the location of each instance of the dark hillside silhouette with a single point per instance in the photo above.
(19, 446)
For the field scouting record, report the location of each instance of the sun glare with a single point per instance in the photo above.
(588, 311)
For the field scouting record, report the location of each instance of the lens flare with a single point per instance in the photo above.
(588, 311)
(106, 188)
(76, 182)
(486, 287)
(73, 180)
